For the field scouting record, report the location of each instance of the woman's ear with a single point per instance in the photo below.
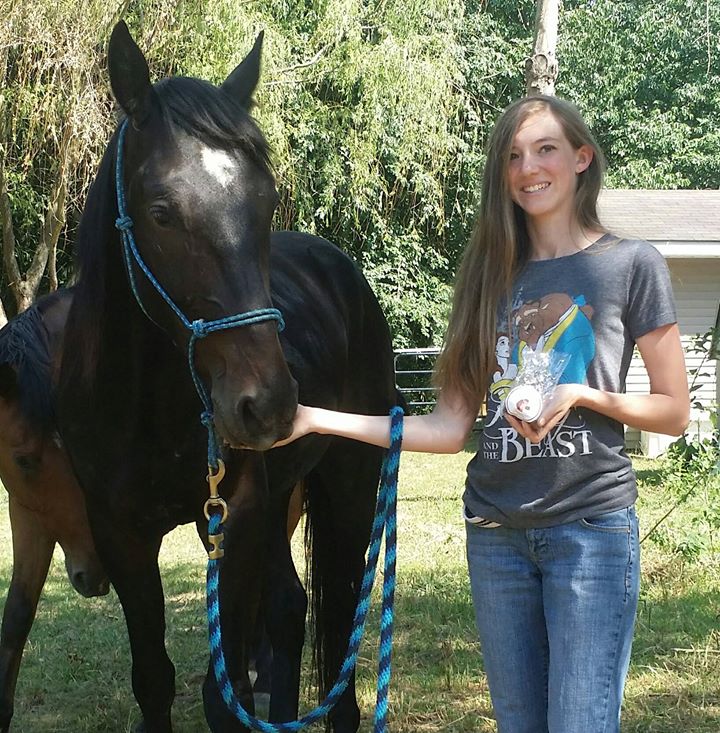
(583, 158)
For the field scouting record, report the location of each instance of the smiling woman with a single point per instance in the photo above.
(552, 537)
(542, 173)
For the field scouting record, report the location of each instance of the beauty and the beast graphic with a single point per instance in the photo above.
(556, 322)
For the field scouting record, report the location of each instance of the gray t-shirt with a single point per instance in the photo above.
(592, 305)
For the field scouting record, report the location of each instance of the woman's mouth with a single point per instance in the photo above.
(535, 187)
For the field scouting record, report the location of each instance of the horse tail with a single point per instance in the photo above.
(340, 501)
(317, 574)
(25, 349)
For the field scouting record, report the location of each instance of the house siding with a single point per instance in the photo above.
(696, 284)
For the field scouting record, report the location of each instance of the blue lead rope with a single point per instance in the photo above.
(385, 523)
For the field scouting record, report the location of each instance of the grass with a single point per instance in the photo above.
(76, 670)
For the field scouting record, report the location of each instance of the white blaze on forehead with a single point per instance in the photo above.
(218, 164)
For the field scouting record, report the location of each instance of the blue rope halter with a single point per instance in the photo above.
(385, 523)
(385, 513)
(199, 328)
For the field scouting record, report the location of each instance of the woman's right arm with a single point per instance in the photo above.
(444, 430)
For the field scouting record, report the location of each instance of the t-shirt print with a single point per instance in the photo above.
(555, 322)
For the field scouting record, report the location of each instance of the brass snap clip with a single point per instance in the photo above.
(216, 500)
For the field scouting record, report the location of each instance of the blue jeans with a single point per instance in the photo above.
(555, 609)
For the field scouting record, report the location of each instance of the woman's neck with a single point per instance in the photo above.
(552, 239)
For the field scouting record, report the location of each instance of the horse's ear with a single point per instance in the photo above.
(129, 74)
(8, 382)
(242, 81)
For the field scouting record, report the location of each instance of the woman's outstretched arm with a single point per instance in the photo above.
(444, 430)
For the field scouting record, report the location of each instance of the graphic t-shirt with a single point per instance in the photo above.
(591, 306)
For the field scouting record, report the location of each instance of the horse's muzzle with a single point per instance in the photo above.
(88, 579)
(259, 419)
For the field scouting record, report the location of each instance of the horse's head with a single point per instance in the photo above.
(46, 502)
(201, 196)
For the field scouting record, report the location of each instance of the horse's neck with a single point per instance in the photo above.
(139, 353)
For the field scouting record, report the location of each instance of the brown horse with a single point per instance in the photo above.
(45, 501)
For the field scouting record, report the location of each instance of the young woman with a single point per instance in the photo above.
(552, 536)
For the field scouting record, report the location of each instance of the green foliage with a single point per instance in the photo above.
(691, 477)
(647, 76)
(377, 110)
(694, 449)
(690, 520)
(54, 110)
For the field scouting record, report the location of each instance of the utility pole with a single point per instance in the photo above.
(541, 69)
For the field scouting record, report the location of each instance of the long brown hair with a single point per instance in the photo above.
(500, 247)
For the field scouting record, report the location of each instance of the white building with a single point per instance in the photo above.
(685, 228)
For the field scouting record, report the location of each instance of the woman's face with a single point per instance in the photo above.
(543, 168)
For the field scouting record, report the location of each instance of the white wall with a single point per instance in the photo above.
(696, 284)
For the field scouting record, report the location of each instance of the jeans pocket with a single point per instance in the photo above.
(613, 522)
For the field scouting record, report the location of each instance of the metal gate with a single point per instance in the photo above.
(413, 377)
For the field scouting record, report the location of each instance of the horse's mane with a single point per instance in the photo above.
(25, 346)
(201, 110)
(96, 235)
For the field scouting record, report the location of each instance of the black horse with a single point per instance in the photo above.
(201, 194)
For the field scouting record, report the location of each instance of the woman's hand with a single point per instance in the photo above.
(554, 411)
(301, 426)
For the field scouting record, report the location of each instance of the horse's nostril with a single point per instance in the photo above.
(79, 581)
(247, 412)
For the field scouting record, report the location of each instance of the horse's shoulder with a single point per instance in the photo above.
(311, 255)
(300, 245)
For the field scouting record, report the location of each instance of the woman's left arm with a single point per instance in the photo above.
(665, 410)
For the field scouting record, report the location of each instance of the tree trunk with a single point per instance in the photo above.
(541, 69)
(25, 288)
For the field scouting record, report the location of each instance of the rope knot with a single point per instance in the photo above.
(207, 419)
(199, 328)
(123, 223)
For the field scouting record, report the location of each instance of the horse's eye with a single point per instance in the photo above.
(160, 215)
(27, 462)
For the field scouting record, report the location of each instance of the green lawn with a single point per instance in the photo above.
(75, 673)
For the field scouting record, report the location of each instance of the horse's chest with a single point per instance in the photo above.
(147, 487)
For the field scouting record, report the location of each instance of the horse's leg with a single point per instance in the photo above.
(131, 562)
(261, 656)
(241, 575)
(32, 551)
(284, 608)
(341, 491)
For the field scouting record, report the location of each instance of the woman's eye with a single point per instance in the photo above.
(547, 148)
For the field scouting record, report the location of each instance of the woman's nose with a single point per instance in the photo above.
(528, 163)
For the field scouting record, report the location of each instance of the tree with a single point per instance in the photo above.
(647, 77)
(49, 112)
(541, 69)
